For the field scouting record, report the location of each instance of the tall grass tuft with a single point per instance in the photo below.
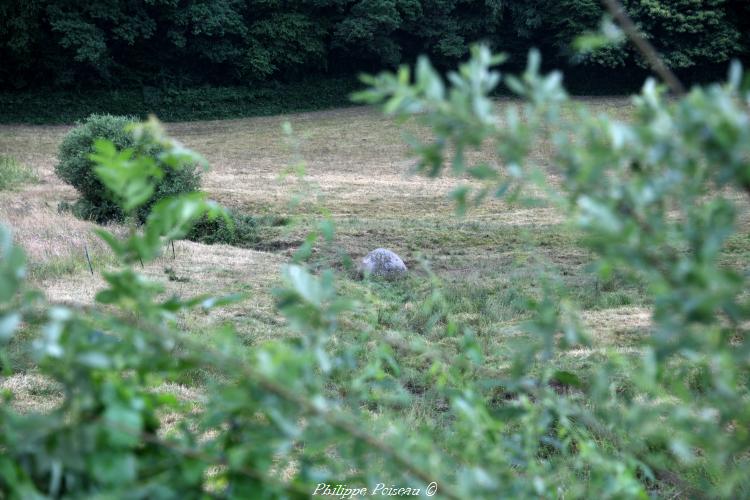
(14, 173)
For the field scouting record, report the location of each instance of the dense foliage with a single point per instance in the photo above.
(97, 202)
(657, 198)
(178, 43)
(173, 104)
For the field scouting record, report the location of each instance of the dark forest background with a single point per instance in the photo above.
(193, 59)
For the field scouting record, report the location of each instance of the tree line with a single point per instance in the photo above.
(64, 44)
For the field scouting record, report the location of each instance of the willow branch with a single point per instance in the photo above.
(234, 364)
(208, 459)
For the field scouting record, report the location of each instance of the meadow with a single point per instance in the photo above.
(351, 166)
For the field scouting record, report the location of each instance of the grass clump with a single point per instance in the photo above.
(240, 230)
(14, 173)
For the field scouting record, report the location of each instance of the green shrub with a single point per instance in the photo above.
(13, 173)
(77, 169)
(241, 232)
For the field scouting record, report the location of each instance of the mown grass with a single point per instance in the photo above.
(61, 267)
(485, 265)
(472, 273)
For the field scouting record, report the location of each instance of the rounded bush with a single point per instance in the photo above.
(97, 202)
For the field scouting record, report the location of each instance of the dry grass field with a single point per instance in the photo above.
(356, 170)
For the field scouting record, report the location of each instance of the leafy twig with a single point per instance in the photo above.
(225, 361)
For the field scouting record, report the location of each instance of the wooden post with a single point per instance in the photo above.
(88, 259)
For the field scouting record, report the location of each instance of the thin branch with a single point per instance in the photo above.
(333, 420)
(644, 46)
(353, 430)
(208, 459)
(227, 362)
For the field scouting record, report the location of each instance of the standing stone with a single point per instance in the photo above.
(383, 263)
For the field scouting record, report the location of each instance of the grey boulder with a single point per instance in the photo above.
(383, 263)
